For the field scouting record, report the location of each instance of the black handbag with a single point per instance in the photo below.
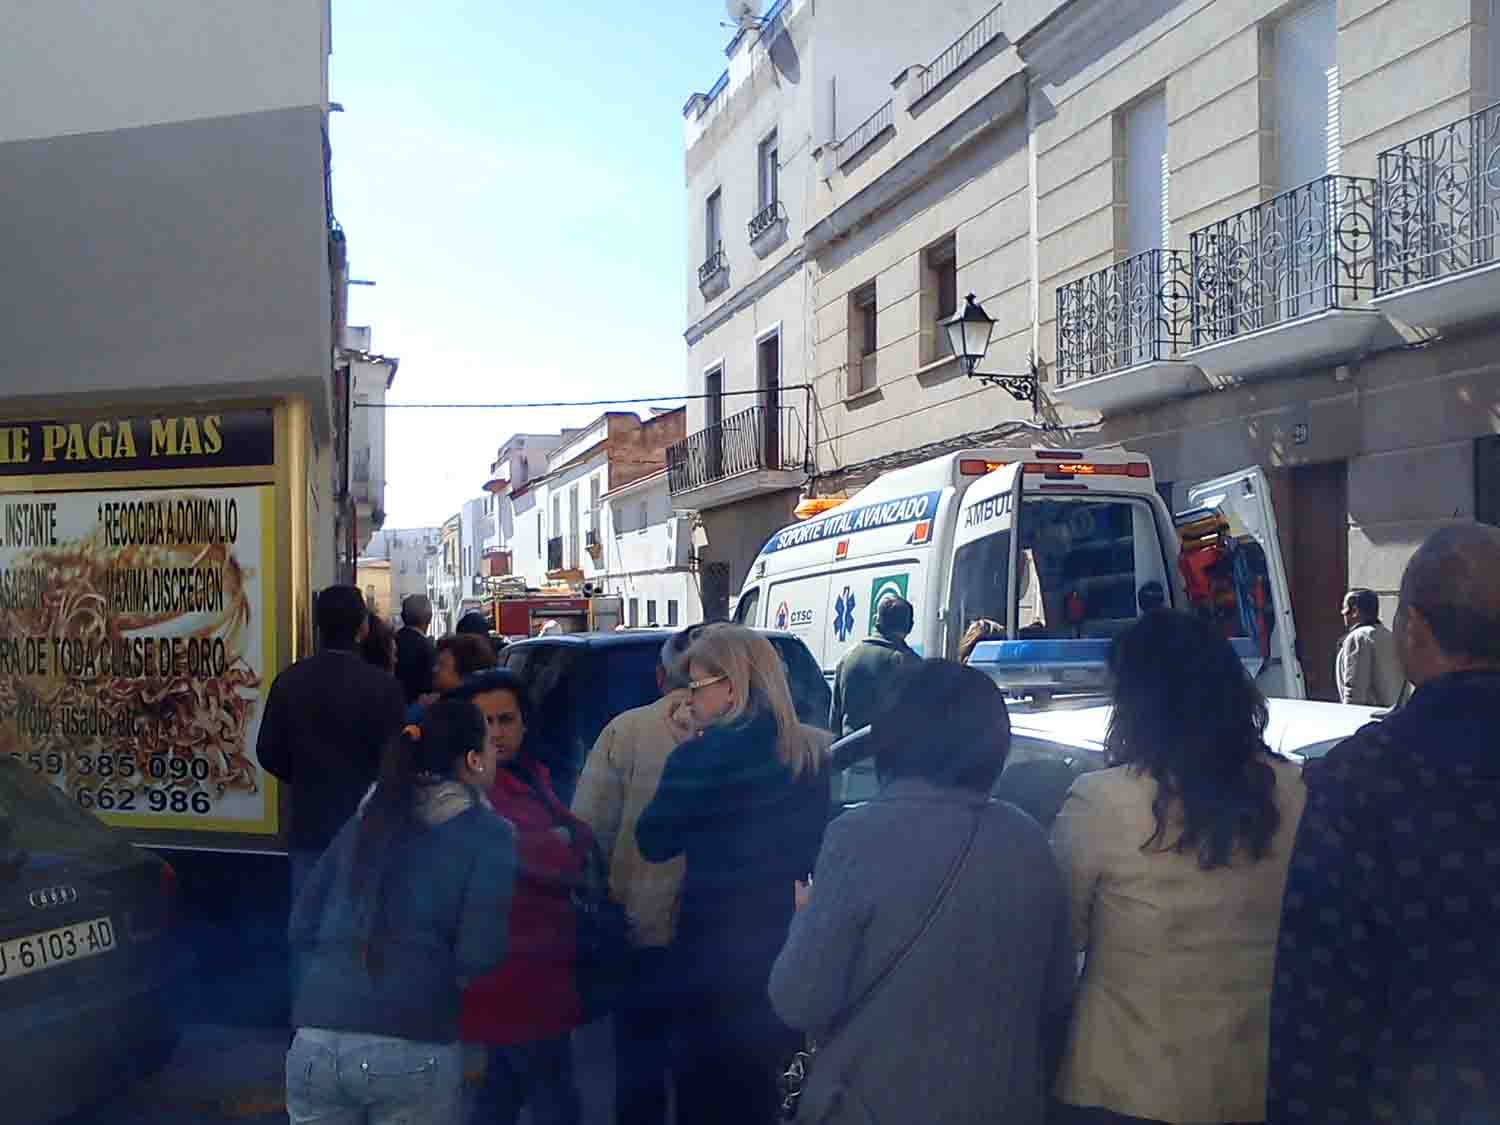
(794, 1081)
(602, 961)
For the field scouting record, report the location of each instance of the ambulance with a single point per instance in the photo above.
(1064, 549)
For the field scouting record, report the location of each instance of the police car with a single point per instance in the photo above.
(1060, 714)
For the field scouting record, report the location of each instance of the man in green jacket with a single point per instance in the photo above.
(862, 677)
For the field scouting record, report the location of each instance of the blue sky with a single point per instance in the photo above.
(510, 175)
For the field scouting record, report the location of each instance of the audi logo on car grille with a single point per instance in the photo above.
(52, 896)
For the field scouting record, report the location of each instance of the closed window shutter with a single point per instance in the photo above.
(1146, 175)
(1309, 131)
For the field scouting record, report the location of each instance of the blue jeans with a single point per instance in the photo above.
(302, 861)
(536, 1075)
(348, 1078)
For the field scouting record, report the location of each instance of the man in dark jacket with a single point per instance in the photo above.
(863, 674)
(414, 651)
(1383, 1007)
(326, 721)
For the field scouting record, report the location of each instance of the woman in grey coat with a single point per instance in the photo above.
(952, 1030)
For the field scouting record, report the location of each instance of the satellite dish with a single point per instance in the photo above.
(742, 13)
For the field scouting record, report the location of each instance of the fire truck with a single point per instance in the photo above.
(520, 615)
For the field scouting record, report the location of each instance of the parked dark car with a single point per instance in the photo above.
(580, 681)
(88, 954)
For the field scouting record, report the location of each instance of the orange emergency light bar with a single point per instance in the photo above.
(1138, 469)
(977, 466)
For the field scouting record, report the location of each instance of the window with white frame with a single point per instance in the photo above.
(864, 340)
(939, 298)
(634, 618)
(713, 217)
(766, 159)
(650, 611)
(671, 611)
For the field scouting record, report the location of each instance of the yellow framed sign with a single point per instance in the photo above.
(139, 631)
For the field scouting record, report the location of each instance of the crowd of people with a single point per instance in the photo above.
(1211, 933)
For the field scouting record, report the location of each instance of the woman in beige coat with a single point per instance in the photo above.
(1176, 860)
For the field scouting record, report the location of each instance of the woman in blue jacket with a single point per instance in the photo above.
(411, 900)
(746, 803)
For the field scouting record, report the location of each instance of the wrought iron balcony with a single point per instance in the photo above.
(865, 133)
(716, 264)
(965, 47)
(765, 219)
(1136, 311)
(1440, 203)
(555, 553)
(1306, 251)
(754, 439)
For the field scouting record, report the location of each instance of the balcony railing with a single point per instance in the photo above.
(755, 439)
(716, 264)
(1305, 251)
(865, 132)
(1136, 311)
(964, 48)
(1440, 202)
(555, 553)
(764, 219)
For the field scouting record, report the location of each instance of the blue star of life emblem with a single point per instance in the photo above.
(843, 614)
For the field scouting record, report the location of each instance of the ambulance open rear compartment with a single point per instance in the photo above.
(1096, 549)
(1097, 546)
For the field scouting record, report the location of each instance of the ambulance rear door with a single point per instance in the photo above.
(979, 582)
(1234, 572)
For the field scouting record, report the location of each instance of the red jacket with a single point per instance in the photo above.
(533, 995)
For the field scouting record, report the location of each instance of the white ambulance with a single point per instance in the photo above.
(1096, 547)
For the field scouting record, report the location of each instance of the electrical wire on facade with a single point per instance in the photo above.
(861, 471)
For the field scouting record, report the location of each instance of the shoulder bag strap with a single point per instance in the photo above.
(954, 870)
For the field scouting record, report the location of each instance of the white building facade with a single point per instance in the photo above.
(370, 377)
(748, 447)
(1224, 234)
(407, 549)
(647, 555)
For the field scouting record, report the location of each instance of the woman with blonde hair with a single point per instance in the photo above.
(746, 803)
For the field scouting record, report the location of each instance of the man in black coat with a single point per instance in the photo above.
(863, 676)
(414, 651)
(327, 720)
(1383, 1007)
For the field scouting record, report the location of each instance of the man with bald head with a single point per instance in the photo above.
(1386, 1003)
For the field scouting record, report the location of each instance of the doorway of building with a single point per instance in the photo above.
(1315, 546)
(768, 364)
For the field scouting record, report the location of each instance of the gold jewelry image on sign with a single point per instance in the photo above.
(135, 634)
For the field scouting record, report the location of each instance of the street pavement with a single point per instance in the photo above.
(232, 1075)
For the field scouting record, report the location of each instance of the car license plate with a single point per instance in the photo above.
(20, 957)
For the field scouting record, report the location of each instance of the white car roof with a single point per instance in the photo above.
(1295, 725)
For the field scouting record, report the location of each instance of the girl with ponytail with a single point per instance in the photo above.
(411, 900)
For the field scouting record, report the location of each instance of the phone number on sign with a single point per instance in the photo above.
(105, 799)
(159, 767)
(123, 769)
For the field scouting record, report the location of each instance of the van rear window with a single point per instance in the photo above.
(1088, 569)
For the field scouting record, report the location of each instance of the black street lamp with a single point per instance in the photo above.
(969, 337)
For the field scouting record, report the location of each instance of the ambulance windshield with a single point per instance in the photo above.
(1089, 568)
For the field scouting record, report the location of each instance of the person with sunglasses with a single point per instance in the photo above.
(619, 780)
(745, 803)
